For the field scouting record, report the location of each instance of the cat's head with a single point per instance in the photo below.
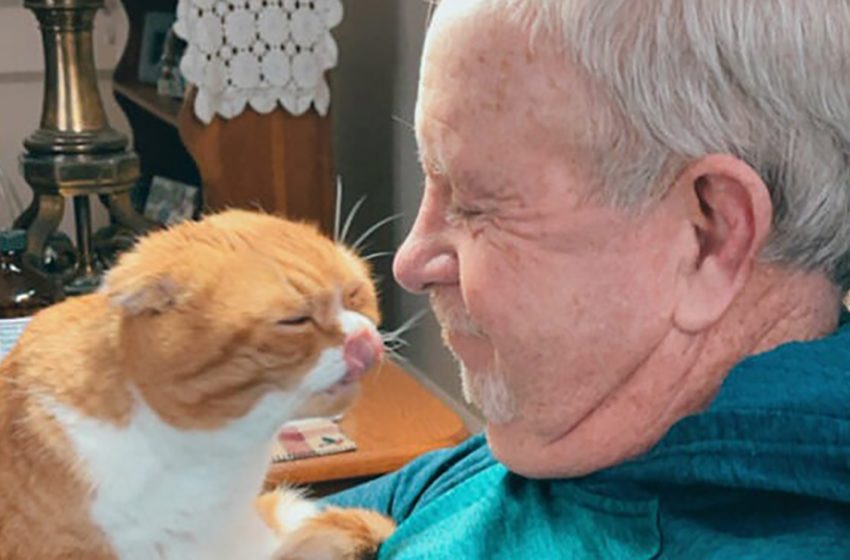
(216, 315)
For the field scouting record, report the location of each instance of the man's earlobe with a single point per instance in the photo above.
(731, 217)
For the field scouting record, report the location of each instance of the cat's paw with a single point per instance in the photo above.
(336, 534)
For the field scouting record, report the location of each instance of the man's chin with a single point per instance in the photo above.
(488, 391)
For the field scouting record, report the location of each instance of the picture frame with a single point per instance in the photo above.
(170, 202)
(171, 82)
(154, 32)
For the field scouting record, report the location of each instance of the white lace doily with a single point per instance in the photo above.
(258, 53)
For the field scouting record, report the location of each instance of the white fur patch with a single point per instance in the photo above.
(293, 509)
(329, 369)
(351, 322)
(164, 493)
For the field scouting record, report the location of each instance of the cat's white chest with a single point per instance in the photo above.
(163, 493)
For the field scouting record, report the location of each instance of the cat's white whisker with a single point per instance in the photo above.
(407, 325)
(366, 246)
(401, 343)
(407, 124)
(350, 218)
(392, 349)
(357, 244)
(391, 338)
(394, 335)
(395, 344)
(432, 4)
(337, 208)
(393, 341)
(378, 255)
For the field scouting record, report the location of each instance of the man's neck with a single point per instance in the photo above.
(778, 306)
(687, 369)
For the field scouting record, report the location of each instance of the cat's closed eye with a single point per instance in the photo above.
(354, 297)
(295, 321)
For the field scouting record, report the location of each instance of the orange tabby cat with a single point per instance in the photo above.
(136, 423)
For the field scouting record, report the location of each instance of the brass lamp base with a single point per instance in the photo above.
(74, 154)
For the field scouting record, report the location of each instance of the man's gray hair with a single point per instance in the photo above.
(765, 80)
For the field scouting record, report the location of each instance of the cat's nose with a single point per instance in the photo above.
(361, 350)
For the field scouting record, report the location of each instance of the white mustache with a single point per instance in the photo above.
(453, 316)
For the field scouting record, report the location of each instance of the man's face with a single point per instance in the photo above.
(549, 301)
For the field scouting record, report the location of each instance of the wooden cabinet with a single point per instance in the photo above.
(276, 162)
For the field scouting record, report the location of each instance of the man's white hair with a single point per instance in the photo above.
(765, 80)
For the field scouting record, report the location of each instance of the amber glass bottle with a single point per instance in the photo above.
(23, 289)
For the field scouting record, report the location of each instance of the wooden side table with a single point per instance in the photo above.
(395, 420)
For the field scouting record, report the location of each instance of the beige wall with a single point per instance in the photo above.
(21, 71)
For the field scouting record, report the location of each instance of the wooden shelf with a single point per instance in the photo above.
(146, 98)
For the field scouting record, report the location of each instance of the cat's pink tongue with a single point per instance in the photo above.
(361, 351)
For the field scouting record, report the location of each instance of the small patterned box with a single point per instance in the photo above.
(310, 438)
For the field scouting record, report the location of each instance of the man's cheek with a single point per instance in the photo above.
(485, 309)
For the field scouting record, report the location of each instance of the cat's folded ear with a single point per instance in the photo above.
(138, 291)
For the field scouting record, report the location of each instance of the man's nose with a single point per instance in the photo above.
(426, 258)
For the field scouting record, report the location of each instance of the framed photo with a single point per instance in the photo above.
(154, 32)
(171, 82)
(170, 201)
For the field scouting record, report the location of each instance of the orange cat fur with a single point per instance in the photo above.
(136, 422)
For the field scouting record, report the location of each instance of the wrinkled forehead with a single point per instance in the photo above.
(480, 72)
(468, 45)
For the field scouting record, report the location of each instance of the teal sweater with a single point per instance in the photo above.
(763, 473)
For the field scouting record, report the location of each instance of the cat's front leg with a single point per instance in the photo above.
(308, 532)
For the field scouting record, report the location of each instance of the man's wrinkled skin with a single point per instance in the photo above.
(584, 331)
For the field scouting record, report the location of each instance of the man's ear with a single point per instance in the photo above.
(730, 211)
(138, 290)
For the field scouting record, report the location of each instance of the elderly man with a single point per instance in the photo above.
(634, 231)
